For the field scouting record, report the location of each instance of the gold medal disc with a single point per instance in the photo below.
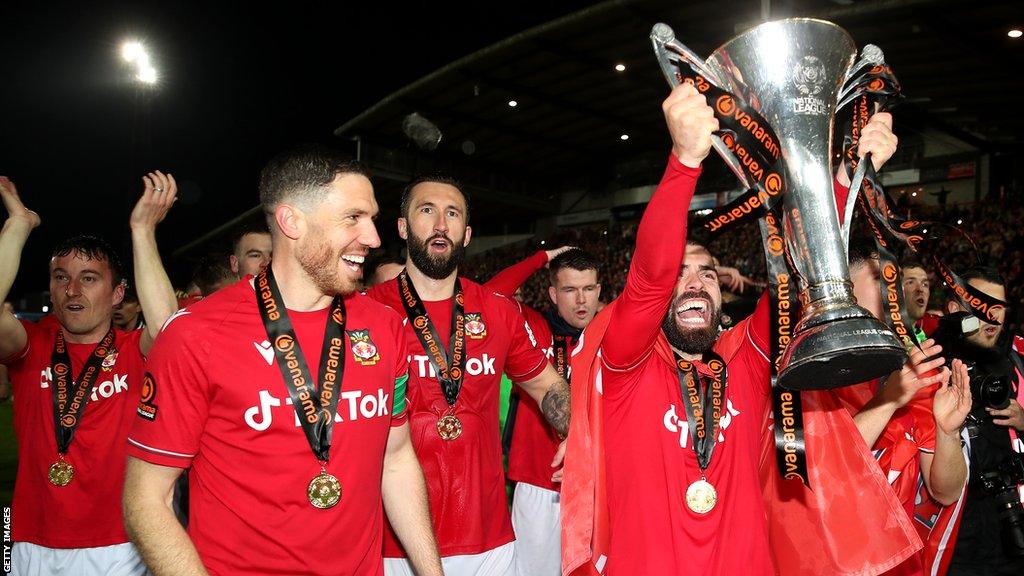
(449, 427)
(701, 496)
(61, 473)
(324, 491)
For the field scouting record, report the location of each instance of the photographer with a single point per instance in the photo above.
(990, 536)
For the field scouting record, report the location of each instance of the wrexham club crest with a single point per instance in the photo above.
(363, 349)
(475, 325)
(109, 361)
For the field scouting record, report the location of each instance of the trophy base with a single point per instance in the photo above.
(840, 353)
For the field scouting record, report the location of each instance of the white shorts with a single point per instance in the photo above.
(535, 519)
(29, 559)
(498, 561)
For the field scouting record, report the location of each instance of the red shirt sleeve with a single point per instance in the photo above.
(401, 375)
(175, 402)
(510, 279)
(654, 270)
(525, 359)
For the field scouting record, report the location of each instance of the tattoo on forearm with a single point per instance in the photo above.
(555, 407)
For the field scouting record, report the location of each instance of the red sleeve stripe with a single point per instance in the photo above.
(159, 451)
(536, 370)
(756, 346)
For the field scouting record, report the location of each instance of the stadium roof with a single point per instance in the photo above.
(958, 67)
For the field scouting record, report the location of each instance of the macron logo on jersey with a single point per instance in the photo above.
(352, 406)
(676, 425)
(265, 350)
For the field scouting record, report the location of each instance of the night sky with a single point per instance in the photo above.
(237, 84)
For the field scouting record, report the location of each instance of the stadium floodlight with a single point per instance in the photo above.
(134, 54)
(131, 51)
(147, 75)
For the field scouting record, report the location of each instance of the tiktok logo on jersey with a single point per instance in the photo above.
(118, 383)
(352, 405)
(677, 425)
(474, 366)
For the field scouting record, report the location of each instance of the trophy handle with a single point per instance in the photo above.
(870, 56)
(664, 41)
(851, 200)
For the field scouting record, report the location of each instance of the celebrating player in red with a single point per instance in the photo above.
(285, 396)
(462, 338)
(76, 383)
(536, 505)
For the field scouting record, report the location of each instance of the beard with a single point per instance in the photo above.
(436, 267)
(321, 265)
(691, 340)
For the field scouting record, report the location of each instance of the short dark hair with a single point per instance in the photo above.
(302, 173)
(129, 293)
(243, 231)
(93, 248)
(211, 272)
(574, 259)
(983, 272)
(861, 251)
(912, 262)
(434, 177)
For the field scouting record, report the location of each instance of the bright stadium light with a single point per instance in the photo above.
(1015, 33)
(512, 103)
(147, 75)
(620, 67)
(140, 63)
(624, 137)
(131, 51)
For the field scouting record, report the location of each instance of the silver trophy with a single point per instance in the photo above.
(793, 73)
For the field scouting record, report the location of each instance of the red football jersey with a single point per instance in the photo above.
(87, 512)
(465, 480)
(650, 464)
(218, 403)
(534, 442)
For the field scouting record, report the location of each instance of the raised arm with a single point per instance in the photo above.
(510, 279)
(20, 222)
(156, 295)
(661, 236)
(405, 502)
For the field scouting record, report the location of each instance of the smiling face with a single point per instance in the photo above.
(338, 234)
(916, 290)
(84, 295)
(436, 229)
(693, 318)
(575, 294)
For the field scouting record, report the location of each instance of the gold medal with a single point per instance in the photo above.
(324, 490)
(61, 473)
(701, 496)
(449, 427)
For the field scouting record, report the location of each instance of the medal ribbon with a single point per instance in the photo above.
(701, 398)
(315, 405)
(448, 365)
(70, 397)
(561, 349)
